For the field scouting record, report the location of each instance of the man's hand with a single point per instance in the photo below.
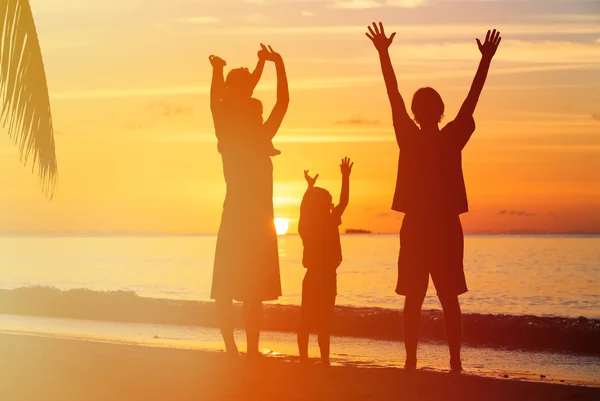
(346, 167)
(217, 62)
(489, 47)
(310, 180)
(377, 36)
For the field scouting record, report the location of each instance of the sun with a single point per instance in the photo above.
(281, 225)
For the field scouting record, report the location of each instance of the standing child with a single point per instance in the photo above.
(318, 228)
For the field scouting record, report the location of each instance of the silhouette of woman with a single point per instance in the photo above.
(246, 264)
(430, 190)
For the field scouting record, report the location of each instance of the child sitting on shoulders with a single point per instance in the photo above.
(318, 228)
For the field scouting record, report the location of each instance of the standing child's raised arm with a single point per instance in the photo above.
(346, 169)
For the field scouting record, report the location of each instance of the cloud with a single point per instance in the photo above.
(596, 116)
(516, 213)
(369, 4)
(255, 18)
(358, 121)
(307, 14)
(199, 20)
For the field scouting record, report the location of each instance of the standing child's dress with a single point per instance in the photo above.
(321, 258)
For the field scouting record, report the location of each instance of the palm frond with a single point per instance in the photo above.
(25, 104)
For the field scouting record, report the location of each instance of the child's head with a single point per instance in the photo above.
(239, 83)
(316, 204)
(427, 106)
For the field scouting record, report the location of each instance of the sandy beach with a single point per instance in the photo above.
(46, 369)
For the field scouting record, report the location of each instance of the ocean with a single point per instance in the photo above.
(517, 275)
(533, 305)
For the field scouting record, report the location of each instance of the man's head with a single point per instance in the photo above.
(427, 106)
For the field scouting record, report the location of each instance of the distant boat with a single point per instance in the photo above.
(357, 231)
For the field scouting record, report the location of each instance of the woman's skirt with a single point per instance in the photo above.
(246, 264)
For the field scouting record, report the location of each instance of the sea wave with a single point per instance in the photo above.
(526, 332)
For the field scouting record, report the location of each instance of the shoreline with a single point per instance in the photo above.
(531, 366)
(65, 370)
(526, 332)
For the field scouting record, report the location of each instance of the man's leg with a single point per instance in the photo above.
(225, 320)
(252, 320)
(453, 322)
(411, 326)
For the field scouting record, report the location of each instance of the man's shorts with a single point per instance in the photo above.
(431, 245)
(318, 298)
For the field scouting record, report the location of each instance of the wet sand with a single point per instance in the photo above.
(38, 368)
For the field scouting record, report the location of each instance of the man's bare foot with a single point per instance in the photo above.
(410, 365)
(455, 366)
(255, 356)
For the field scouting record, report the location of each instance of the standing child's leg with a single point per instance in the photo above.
(411, 326)
(324, 334)
(306, 310)
(453, 322)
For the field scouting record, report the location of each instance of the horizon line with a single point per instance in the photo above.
(175, 234)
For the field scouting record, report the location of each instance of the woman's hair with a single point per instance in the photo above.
(316, 204)
(239, 82)
(427, 106)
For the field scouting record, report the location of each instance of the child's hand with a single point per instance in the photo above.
(346, 167)
(310, 180)
(217, 61)
(263, 53)
(269, 54)
(488, 48)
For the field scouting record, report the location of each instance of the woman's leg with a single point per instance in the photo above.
(411, 326)
(226, 322)
(252, 318)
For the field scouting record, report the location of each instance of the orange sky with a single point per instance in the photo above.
(128, 84)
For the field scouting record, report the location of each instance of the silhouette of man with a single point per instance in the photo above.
(430, 191)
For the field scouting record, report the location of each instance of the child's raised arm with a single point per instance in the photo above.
(487, 49)
(217, 86)
(260, 65)
(346, 169)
